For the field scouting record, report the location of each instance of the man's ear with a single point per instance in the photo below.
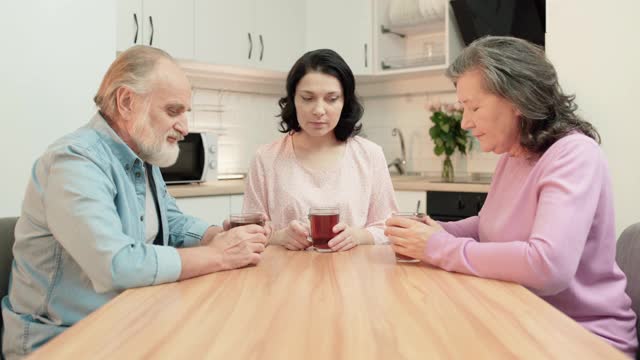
(125, 98)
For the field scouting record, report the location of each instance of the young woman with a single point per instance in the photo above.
(320, 161)
(548, 221)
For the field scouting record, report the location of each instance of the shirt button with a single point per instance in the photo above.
(138, 174)
(141, 217)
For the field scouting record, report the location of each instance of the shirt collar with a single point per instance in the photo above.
(120, 149)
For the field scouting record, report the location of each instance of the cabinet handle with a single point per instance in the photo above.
(366, 56)
(261, 46)
(152, 30)
(135, 37)
(250, 46)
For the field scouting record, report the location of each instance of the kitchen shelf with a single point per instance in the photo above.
(429, 45)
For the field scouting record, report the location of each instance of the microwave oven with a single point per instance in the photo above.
(197, 161)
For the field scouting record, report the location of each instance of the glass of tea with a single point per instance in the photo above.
(242, 219)
(321, 222)
(413, 216)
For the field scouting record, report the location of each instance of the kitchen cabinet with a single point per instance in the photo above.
(344, 26)
(129, 22)
(282, 26)
(255, 33)
(165, 24)
(212, 209)
(408, 200)
(417, 40)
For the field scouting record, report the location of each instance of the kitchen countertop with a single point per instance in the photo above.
(400, 183)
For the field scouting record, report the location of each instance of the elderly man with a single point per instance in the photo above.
(97, 218)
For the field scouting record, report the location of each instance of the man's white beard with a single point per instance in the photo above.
(154, 148)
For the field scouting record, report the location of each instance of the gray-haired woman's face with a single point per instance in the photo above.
(493, 120)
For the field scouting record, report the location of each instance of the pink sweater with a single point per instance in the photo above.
(549, 225)
(359, 185)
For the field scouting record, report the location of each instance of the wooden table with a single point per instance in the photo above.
(358, 304)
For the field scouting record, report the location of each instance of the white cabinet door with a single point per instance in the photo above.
(280, 32)
(344, 26)
(408, 200)
(129, 24)
(168, 25)
(165, 24)
(212, 209)
(224, 32)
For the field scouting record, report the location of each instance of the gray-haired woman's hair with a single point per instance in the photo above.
(132, 68)
(520, 72)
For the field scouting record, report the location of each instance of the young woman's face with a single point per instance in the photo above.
(319, 101)
(493, 120)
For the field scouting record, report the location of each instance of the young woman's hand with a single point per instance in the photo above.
(346, 238)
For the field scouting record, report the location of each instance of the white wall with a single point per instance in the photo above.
(54, 54)
(594, 46)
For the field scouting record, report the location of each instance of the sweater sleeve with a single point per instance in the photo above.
(383, 199)
(462, 228)
(569, 190)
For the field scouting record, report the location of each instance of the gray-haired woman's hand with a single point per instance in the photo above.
(410, 237)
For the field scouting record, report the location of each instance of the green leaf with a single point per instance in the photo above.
(434, 132)
(444, 127)
(438, 150)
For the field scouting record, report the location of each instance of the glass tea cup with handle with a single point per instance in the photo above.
(242, 219)
(417, 216)
(321, 223)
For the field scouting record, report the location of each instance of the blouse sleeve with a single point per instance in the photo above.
(383, 200)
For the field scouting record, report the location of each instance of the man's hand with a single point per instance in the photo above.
(240, 246)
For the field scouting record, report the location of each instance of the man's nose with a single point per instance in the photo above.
(182, 126)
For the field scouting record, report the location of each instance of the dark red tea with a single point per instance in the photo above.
(322, 229)
(236, 220)
(233, 224)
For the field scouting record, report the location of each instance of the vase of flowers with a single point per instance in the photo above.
(447, 134)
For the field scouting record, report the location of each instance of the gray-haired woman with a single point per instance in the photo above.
(548, 221)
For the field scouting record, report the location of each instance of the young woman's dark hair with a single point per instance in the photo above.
(330, 63)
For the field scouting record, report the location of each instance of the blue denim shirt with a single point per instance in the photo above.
(80, 239)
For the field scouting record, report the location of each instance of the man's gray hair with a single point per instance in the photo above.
(132, 68)
(519, 71)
